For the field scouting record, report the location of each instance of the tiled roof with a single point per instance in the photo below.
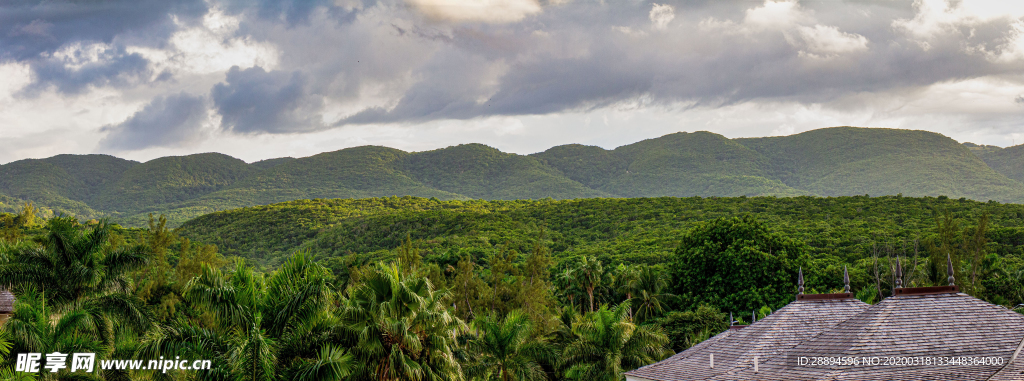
(781, 330)
(904, 328)
(6, 302)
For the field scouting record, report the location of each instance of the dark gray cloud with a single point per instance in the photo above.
(32, 31)
(166, 121)
(256, 101)
(291, 12)
(30, 28)
(114, 67)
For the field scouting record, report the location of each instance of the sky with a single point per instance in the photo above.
(258, 79)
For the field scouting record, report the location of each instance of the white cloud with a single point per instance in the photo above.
(935, 17)
(775, 14)
(795, 24)
(210, 48)
(661, 15)
(13, 77)
(76, 55)
(828, 41)
(488, 11)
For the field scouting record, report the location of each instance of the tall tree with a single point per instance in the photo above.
(77, 270)
(535, 292)
(649, 286)
(400, 327)
(737, 264)
(591, 276)
(503, 349)
(264, 329)
(608, 343)
(36, 326)
(468, 289)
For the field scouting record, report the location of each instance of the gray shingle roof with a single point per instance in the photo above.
(781, 330)
(949, 325)
(6, 302)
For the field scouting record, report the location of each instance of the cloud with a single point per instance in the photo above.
(938, 17)
(829, 41)
(276, 68)
(174, 120)
(30, 28)
(775, 14)
(78, 67)
(290, 12)
(211, 46)
(487, 11)
(257, 101)
(37, 32)
(661, 15)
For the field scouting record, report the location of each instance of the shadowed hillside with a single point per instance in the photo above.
(479, 171)
(1007, 161)
(170, 179)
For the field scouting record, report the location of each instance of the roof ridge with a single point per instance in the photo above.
(1012, 359)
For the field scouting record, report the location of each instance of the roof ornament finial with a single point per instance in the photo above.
(753, 316)
(800, 282)
(949, 269)
(846, 279)
(899, 273)
(731, 320)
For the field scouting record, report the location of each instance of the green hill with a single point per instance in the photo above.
(367, 171)
(482, 172)
(680, 164)
(169, 180)
(264, 164)
(1007, 161)
(358, 172)
(63, 183)
(590, 165)
(827, 162)
(849, 161)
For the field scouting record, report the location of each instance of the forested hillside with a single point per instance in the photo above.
(680, 164)
(837, 161)
(639, 230)
(847, 161)
(1007, 161)
(320, 286)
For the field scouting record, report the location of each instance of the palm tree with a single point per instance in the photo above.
(627, 280)
(648, 286)
(607, 343)
(567, 284)
(400, 327)
(36, 327)
(504, 351)
(74, 265)
(591, 275)
(265, 328)
(5, 350)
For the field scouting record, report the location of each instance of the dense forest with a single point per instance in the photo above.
(840, 161)
(408, 288)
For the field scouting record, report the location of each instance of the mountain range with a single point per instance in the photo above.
(837, 161)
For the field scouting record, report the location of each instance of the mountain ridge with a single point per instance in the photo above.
(836, 161)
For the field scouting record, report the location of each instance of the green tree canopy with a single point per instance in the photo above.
(737, 264)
